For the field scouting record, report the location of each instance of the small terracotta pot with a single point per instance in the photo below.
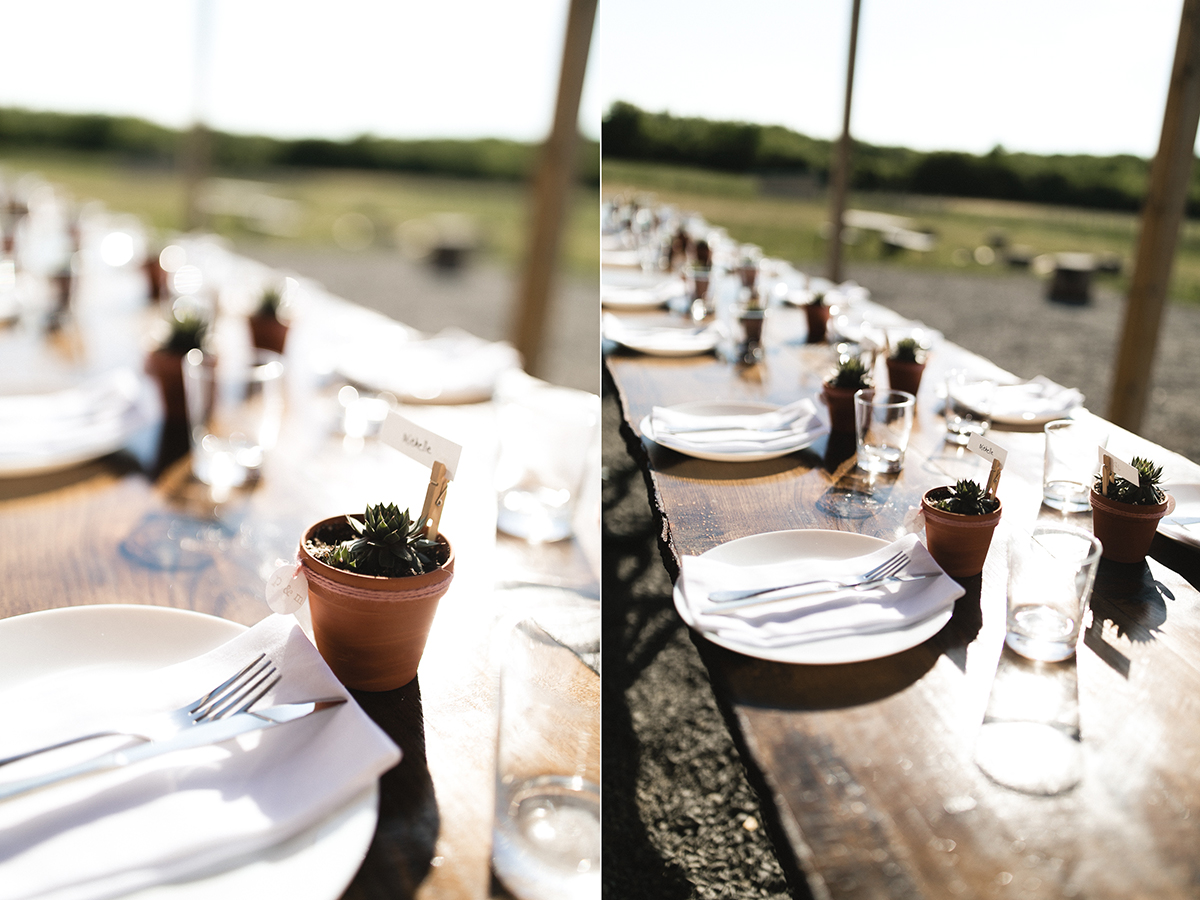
(818, 319)
(904, 376)
(751, 321)
(268, 333)
(166, 367)
(371, 630)
(958, 543)
(841, 407)
(1126, 529)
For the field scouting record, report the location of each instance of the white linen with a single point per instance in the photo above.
(623, 297)
(630, 258)
(1037, 398)
(817, 617)
(665, 340)
(82, 414)
(1183, 524)
(165, 819)
(787, 426)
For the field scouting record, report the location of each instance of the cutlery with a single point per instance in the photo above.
(246, 688)
(778, 594)
(202, 735)
(889, 566)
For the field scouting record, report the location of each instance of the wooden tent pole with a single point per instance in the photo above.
(1162, 216)
(841, 165)
(551, 189)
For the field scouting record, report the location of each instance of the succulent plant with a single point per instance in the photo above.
(908, 350)
(387, 543)
(1144, 493)
(187, 331)
(817, 299)
(268, 303)
(852, 372)
(967, 499)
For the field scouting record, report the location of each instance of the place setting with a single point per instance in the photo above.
(661, 337)
(734, 431)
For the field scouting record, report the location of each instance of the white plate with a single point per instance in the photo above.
(640, 298)
(705, 407)
(314, 865)
(651, 344)
(783, 546)
(1016, 393)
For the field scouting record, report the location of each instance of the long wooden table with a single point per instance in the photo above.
(866, 771)
(125, 529)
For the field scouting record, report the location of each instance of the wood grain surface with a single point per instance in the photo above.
(127, 529)
(867, 770)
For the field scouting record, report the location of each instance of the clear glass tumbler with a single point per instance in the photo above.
(883, 421)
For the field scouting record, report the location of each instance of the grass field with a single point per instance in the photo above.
(323, 196)
(790, 227)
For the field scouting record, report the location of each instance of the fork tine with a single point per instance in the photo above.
(262, 693)
(880, 569)
(220, 712)
(232, 688)
(895, 566)
(220, 689)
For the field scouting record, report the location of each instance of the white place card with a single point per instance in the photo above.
(989, 450)
(419, 443)
(287, 589)
(1118, 466)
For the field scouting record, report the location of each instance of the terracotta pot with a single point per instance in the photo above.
(818, 319)
(166, 367)
(904, 376)
(268, 333)
(371, 630)
(1126, 529)
(841, 407)
(751, 321)
(957, 542)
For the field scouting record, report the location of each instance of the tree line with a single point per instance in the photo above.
(140, 141)
(1101, 182)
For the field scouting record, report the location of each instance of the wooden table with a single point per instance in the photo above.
(866, 771)
(110, 531)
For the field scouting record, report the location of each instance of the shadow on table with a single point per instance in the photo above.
(402, 850)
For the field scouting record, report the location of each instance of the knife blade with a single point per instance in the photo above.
(203, 735)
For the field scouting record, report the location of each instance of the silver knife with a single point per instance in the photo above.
(203, 735)
(790, 593)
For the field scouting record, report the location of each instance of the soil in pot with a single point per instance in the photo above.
(371, 630)
(904, 376)
(1126, 529)
(957, 542)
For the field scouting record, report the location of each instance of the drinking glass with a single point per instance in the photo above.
(234, 408)
(546, 829)
(1050, 575)
(968, 404)
(883, 421)
(1070, 464)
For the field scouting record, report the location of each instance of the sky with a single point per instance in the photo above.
(1041, 76)
(298, 68)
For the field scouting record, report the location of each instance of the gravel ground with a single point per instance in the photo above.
(680, 819)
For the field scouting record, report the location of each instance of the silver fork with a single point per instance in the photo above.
(885, 569)
(236, 694)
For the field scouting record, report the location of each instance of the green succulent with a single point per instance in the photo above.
(967, 499)
(187, 331)
(818, 299)
(852, 372)
(1144, 493)
(387, 543)
(908, 350)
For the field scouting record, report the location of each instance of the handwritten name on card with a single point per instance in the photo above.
(989, 450)
(419, 443)
(1118, 466)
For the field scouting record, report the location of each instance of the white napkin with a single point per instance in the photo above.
(1183, 524)
(168, 818)
(620, 258)
(1034, 399)
(784, 427)
(660, 339)
(817, 617)
(453, 366)
(73, 415)
(617, 296)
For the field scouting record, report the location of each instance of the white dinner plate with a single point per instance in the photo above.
(785, 546)
(1009, 400)
(709, 408)
(663, 342)
(653, 296)
(72, 642)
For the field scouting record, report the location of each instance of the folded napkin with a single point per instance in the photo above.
(1034, 399)
(618, 296)
(817, 617)
(183, 813)
(453, 366)
(784, 427)
(1183, 524)
(67, 416)
(660, 339)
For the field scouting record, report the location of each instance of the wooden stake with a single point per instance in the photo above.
(1105, 474)
(993, 482)
(435, 499)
